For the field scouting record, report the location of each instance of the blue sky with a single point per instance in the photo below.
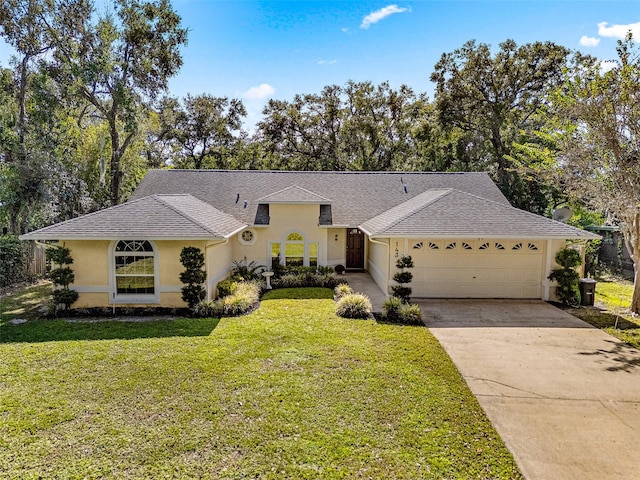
(256, 50)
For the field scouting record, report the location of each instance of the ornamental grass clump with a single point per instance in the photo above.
(354, 305)
(342, 290)
(395, 311)
(242, 300)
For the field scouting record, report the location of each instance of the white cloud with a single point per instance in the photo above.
(327, 62)
(608, 65)
(375, 17)
(618, 31)
(589, 41)
(263, 90)
(344, 30)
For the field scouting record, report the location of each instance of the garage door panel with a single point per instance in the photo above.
(475, 273)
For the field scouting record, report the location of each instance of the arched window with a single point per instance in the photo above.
(134, 270)
(294, 251)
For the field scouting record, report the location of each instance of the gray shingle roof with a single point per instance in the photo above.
(355, 196)
(452, 213)
(156, 216)
(193, 204)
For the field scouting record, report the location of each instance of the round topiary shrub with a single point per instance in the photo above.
(567, 278)
(354, 305)
(193, 276)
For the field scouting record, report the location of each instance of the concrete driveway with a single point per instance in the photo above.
(564, 397)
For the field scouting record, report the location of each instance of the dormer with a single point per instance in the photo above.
(294, 195)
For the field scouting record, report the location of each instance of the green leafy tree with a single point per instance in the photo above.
(493, 100)
(193, 276)
(359, 126)
(204, 129)
(117, 64)
(598, 143)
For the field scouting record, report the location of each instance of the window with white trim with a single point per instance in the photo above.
(134, 268)
(295, 251)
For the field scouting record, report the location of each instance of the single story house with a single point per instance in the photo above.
(465, 238)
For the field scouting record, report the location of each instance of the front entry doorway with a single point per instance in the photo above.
(355, 249)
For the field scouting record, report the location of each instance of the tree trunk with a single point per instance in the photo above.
(635, 299)
(631, 235)
(115, 164)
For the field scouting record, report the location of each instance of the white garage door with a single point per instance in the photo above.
(477, 269)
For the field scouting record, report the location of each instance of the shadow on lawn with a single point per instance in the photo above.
(303, 293)
(63, 330)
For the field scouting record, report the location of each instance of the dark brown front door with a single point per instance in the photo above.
(355, 248)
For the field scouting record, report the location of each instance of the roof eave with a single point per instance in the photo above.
(124, 237)
(484, 236)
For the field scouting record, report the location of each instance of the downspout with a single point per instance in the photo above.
(388, 245)
(546, 296)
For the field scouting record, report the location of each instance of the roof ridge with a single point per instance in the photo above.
(290, 187)
(315, 172)
(157, 198)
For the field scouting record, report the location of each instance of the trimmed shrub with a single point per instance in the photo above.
(62, 277)
(227, 287)
(567, 278)
(305, 279)
(402, 278)
(354, 305)
(342, 290)
(193, 276)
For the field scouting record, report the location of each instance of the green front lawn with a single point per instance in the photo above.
(290, 391)
(611, 313)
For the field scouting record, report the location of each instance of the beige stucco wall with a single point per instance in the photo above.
(378, 262)
(91, 268)
(336, 246)
(219, 257)
(284, 219)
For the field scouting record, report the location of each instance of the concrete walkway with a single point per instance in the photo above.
(361, 282)
(564, 397)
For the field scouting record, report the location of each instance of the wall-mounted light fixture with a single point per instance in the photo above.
(397, 250)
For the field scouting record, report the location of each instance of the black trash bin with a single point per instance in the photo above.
(587, 291)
